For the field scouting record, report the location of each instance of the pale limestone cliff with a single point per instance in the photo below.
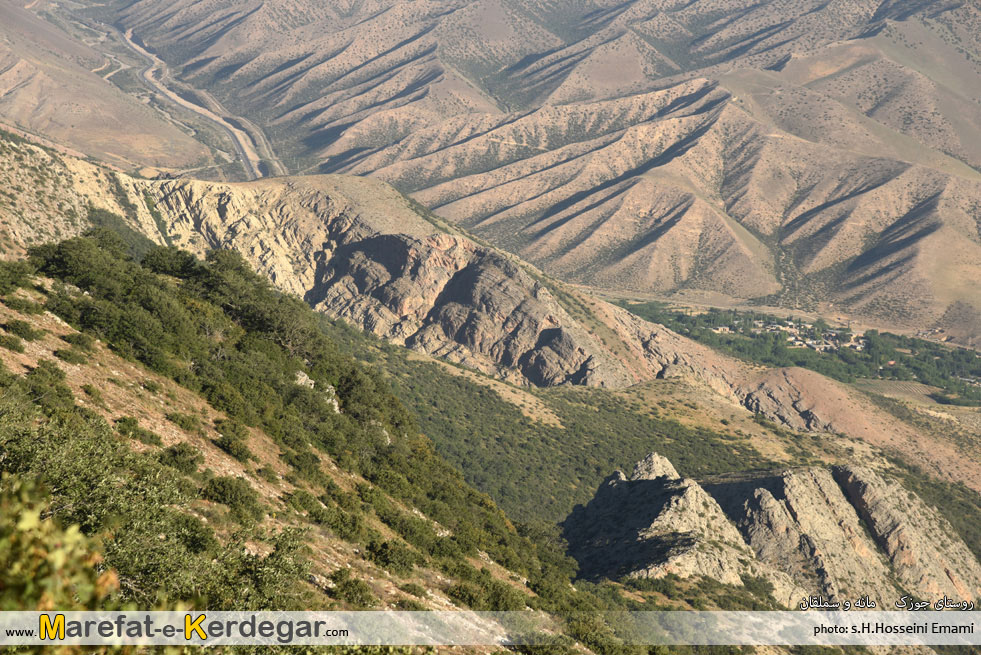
(655, 523)
(843, 532)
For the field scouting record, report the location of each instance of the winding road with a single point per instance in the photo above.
(245, 146)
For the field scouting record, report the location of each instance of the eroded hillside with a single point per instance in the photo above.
(816, 155)
(356, 249)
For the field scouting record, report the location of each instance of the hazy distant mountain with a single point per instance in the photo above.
(804, 152)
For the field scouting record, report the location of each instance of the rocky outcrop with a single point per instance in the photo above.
(801, 521)
(923, 549)
(843, 532)
(355, 249)
(846, 532)
(655, 523)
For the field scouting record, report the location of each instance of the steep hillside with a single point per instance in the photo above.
(141, 416)
(817, 155)
(358, 250)
(55, 85)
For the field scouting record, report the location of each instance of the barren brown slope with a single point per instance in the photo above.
(47, 86)
(812, 154)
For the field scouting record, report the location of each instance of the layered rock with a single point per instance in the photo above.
(923, 549)
(801, 521)
(843, 532)
(355, 249)
(655, 523)
(846, 532)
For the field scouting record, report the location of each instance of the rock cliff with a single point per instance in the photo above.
(843, 532)
(356, 249)
(655, 523)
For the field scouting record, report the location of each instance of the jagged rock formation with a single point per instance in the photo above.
(655, 523)
(921, 546)
(843, 532)
(355, 249)
(802, 521)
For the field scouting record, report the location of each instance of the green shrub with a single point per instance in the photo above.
(346, 525)
(23, 330)
(185, 422)
(231, 428)
(238, 494)
(233, 439)
(393, 556)
(23, 305)
(352, 591)
(182, 456)
(414, 589)
(129, 426)
(307, 466)
(11, 342)
(151, 385)
(45, 384)
(268, 475)
(93, 393)
(235, 448)
(71, 356)
(42, 564)
(14, 275)
(468, 594)
(80, 340)
(193, 534)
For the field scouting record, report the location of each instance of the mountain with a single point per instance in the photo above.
(816, 155)
(357, 250)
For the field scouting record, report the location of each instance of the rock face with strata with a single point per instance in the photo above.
(655, 523)
(801, 521)
(923, 549)
(843, 532)
(355, 249)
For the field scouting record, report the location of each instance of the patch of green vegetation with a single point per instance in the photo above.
(537, 470)
(93, 393)
(71, 355)
(130, 427)
(883, 356)
(238, 494)
(23, 305)
(392, 555)
(225, 333)
(125, 504)
(182, 456)
(14, 275)
(80, 340)
(233, 439)
(352, 591)
(185, 422)
(134, 243)
(23, 329)
(11, 342)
